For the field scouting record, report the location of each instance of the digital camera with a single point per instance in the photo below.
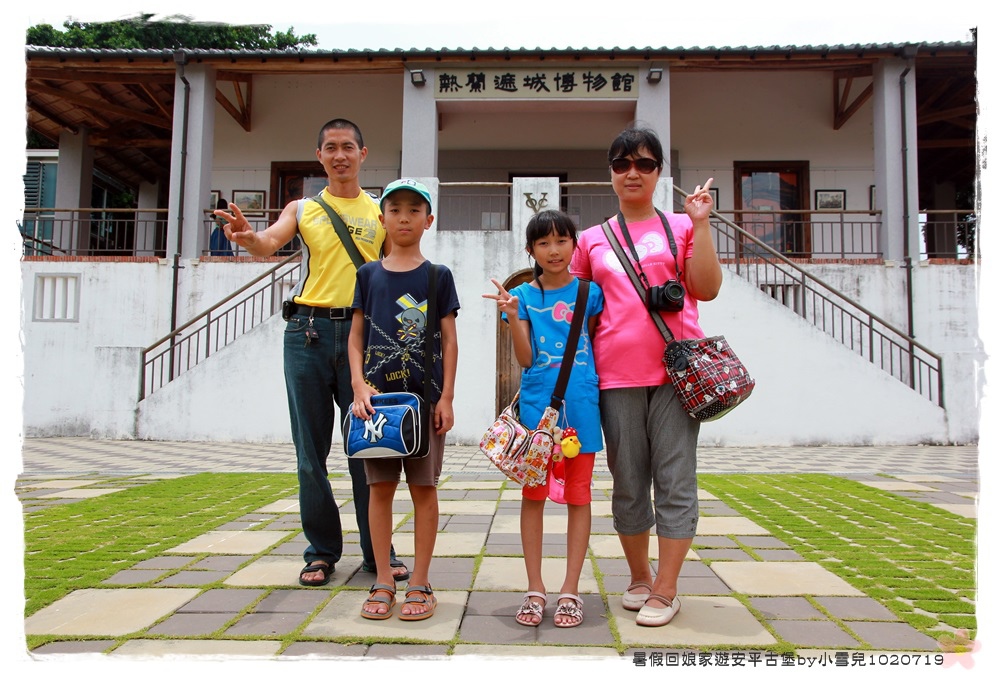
(667, 297)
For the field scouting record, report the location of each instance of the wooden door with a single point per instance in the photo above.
(508, 371)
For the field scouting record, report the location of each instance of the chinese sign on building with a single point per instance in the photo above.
(540, 83)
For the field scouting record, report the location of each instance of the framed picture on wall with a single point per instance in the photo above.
(831, 200)
(251, 202)
(213, 199)
(377, 191)
(714, 191)
(292, 180)
(871, 197)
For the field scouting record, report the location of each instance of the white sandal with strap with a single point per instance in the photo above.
(529, 607)
(574, 610)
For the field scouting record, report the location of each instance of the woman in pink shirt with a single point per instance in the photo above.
(650, 438)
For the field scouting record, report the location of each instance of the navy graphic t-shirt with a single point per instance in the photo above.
(395, 309)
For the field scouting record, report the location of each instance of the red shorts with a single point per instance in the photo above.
(579, 472)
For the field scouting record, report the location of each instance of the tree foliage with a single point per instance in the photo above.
(172, 32)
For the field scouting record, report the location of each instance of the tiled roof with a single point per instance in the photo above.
(522, 51)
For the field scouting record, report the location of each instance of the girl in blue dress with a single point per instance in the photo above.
(539, 314)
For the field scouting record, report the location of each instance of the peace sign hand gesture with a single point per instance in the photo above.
(698, 205)
(237, 228)
(506, 302)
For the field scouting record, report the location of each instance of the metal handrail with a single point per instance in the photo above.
(813, 299)
(865, 333)
(176, 353)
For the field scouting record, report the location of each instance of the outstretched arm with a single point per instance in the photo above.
(265, 243)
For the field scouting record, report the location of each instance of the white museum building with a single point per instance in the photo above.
(844, 180)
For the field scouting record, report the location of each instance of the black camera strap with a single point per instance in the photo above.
(616, 246)
(635, 254)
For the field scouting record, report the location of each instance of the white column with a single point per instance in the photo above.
(145, 220)
(895, 161)
(76, 169)
(652, 109)
(194, 114)
(75, 179)
(420, 127)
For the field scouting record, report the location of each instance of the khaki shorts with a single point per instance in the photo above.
(425, 471)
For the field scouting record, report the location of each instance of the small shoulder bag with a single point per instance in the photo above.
(523, 454)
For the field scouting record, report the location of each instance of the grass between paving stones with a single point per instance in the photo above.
(916, 559)
(79, 545)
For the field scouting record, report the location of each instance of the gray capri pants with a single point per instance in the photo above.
(651, 440)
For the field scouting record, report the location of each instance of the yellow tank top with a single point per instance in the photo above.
(328, 275)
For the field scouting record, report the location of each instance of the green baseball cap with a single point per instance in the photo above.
(407, 184)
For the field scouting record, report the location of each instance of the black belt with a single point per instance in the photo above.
(333, 313)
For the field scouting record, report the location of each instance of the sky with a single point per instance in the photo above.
(544, 23)
(393, 24)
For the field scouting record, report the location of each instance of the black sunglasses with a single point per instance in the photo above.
(642, 165)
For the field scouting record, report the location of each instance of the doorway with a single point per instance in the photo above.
(765, 191)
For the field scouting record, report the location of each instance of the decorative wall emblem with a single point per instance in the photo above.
(536, 204)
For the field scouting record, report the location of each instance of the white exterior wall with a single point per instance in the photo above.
(721, 117)
(288, 112)
(122, 305)
(79, 376)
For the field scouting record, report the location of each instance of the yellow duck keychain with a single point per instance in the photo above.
(570, 442)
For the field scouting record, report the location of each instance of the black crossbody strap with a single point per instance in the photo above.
(341, 229)
(670, 240)
(569, 355)
(630, 271)
(429, 331)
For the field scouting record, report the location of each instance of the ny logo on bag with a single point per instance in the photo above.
(373, 428)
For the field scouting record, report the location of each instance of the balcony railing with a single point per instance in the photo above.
(816, 234)
(801, 235)
(480, 207)
(949, 235)
(94, 231)
(486, 206)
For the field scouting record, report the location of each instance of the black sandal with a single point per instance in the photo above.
(395, 564)
(312, 567)
(400, 564)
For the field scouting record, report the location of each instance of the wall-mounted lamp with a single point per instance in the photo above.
(417, 78)
(654, 75)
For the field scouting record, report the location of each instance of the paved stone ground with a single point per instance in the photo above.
(234, 592)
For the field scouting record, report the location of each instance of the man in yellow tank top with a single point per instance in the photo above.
(317, 373)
